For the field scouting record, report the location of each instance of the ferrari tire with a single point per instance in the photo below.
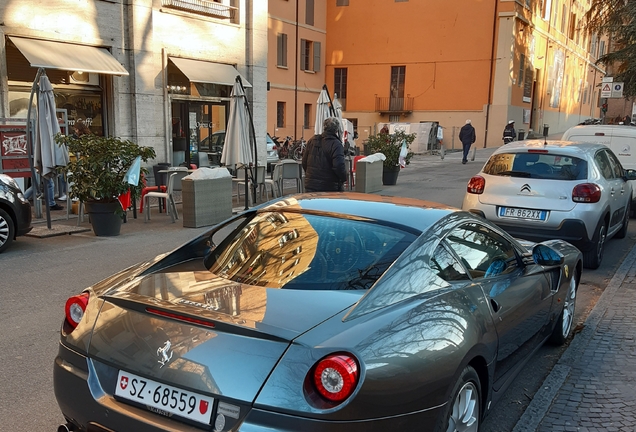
(621, 233)
(463, 410)
(7, 230)
(563, 325)
(593, 257)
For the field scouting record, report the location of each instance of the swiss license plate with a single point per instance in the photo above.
(164, 399)
(520, 213)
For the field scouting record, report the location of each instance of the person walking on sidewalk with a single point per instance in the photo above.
(324, 161)
(509, 133)
(467, 137)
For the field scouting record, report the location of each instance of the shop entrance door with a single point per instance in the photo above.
(198, 132)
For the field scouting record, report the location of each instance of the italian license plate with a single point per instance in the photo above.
(520, 213)
(164, 399)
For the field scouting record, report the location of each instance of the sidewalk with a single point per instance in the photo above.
(593, 385)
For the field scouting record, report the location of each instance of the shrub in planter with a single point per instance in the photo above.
(98, 166)
(391, 145)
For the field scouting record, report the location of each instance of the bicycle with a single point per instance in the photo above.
(298, 148)
(284, 148)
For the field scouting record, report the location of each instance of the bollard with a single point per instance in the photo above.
(521, 135)
(472, 158)
(442, 151)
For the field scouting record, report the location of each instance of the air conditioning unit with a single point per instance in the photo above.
(83, 78)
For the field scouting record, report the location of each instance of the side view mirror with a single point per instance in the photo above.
(546, 256)
(630, 174)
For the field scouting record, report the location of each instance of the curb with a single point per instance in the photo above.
(540, 404)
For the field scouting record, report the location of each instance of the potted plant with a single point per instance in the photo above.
(96, 176)
(391, 145)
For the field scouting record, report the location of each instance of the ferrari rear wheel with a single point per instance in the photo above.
(564, 324)
(463, 413)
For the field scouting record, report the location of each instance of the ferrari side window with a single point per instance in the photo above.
(483, 252)
(446, 266)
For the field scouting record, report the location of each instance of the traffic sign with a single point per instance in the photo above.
(617, 90)
(608, 79)
(606, 90)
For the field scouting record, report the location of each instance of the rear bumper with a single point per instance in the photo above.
(86, 401)
(571, 230)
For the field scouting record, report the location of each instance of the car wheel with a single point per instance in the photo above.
(593, 257)
(7, 230)
(564, 324)
(623, 231)
(463, 413)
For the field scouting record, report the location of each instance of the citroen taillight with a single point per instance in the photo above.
(75, 308)
(586, 193)
(476, 185)
(335, 377)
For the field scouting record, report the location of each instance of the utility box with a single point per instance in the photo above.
(368, 175)
(206, 197)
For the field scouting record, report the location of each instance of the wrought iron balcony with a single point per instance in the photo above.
(393, 105)
(204, 7)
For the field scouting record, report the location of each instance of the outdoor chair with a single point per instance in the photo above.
(276, 182)
(260, 183)
(171, 207)
(292, 170)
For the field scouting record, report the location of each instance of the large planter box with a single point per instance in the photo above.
(368, 176)
(206, 201)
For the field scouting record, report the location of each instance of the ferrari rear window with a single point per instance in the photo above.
(537, 165)
(308, 252)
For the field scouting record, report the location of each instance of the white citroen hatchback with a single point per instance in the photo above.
(540, 190)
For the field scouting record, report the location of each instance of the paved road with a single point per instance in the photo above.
(38, 275)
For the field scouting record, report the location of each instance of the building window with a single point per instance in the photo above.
(564, 15)
(396, 95)
(309, 12)
(307, 117)
(280, 114)
(281, 50)
(546, 9)
(522, 61)
(572, 28)
(309, 55)
(556, 13)
(340, 86)
(601, 49)
(342, 2)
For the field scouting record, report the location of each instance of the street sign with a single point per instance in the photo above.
(617, 90)
(606, 90)
(608, 79)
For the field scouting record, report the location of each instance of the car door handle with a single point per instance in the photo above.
(495, 306)
(612, 191)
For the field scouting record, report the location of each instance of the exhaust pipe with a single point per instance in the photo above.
(67, 427)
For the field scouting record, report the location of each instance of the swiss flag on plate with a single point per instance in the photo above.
(203, 406)
(123, 382)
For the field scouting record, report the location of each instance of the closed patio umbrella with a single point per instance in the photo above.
(323, 109)
(238, 149)
(47, 155)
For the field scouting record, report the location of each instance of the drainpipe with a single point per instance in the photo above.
(492, 67)
(296, 79)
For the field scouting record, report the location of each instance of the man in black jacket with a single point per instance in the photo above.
(467, 137)
(323, 159)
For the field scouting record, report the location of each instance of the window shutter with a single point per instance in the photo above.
(303, 53)
(284, 50)
(316, 56)
(309, 13)
(279, 49)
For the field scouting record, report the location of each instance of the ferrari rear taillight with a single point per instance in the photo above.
(586, 193)
(336, 377)
(75, 308)
(476, 185)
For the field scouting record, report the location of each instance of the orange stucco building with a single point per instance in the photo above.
(295, 65)
(447, 61)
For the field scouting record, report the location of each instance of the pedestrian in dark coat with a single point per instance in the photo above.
(467, 137)
(323, 159)
(509, 133)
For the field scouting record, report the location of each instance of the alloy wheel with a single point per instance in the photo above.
(568, 307)
(601, 243)
(465, 413)
(4, 231)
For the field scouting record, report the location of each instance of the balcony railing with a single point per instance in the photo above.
(393, 105)
(204, 7)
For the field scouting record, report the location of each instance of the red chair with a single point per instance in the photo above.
(124, 200)
(147, 189)
(355, 161)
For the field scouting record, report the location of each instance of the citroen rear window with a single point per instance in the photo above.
(308, 252)
(537, 165)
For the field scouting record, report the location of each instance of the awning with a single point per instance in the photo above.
(208, 72)
(68, 56)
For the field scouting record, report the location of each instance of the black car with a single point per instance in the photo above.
(15, 212)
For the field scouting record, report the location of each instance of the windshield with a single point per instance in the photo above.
(299, 251)
(537, 165)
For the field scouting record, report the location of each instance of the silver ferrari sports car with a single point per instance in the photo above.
(316, 312)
